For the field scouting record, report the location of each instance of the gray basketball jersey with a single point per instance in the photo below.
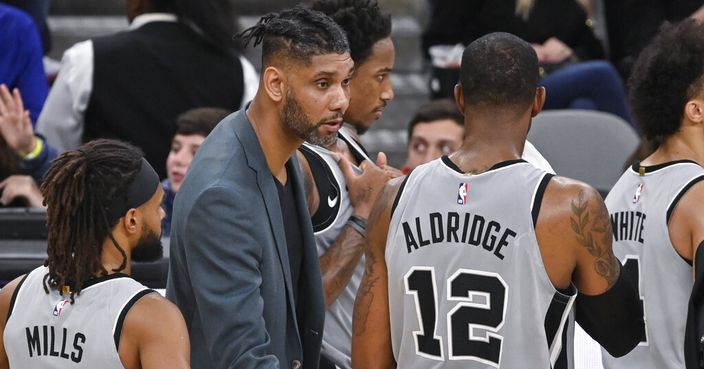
(47, 331)
(467, 285)
(640, 207)
(332, 215)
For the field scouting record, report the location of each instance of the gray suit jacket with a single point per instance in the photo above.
(229, 270)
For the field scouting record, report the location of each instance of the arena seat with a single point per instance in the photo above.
(586, 145)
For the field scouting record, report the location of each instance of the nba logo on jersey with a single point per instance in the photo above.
(636, 196)
(59, 307)
(462, 193)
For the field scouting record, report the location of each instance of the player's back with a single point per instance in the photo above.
(47, 331)
(467, 285)
(640, 205)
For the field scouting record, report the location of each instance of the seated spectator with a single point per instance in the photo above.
(177, 55)
(437, 129)
(192, 127)
(21, 63)
(568, 51)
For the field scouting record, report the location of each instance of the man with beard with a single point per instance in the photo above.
(339, 199)
(243, 265)
(81, 308)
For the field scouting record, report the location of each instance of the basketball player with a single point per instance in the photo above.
(81, 309)
(655, 207)
(476, 259)
(338, 198)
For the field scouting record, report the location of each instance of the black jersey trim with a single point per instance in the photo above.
(674, 202)
(554, 321)
(14, 297)
(652, 168)
(327, 186)
(121, 319)
(359, 156)
(398, 195)
(103, 278)
(445, 159)
(538, 201)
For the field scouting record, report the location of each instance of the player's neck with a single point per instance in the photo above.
(112, 259)
(687, 144)
(277, 143)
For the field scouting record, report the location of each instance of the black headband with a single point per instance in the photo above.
(139, 191)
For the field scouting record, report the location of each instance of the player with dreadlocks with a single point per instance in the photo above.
(81, 308)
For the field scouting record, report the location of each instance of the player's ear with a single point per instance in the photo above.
(694, 111)
(459, 97)
(538, 101)
(274, 83)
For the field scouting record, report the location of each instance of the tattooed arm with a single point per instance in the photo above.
(371, 333)
(574, 233)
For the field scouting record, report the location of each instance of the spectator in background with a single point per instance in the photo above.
(177, 55)
(38, 10)
(21, 58)
(437, 129)
(568, 51)
(632, 24)
(192, 127)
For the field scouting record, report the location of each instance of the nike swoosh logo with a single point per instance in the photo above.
(332, 202)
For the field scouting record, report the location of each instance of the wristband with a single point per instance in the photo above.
(359, 224)
(38, 146)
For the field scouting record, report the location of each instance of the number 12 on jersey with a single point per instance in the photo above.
(472, 324)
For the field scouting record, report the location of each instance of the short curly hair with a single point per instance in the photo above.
(667, 73)
(362, 20)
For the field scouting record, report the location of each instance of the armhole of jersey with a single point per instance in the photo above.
(121, 319)
(14, 297)
(398, 195)
(679, 196)
(324, 179)
(674, 203)
(538, 197)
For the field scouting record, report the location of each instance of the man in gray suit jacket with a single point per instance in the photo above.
(244, 269)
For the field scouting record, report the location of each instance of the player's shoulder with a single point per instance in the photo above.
(6, 295)
(567, 197)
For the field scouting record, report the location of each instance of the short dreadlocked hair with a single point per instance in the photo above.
(362, 20)
(297, 33)
(77, 188)
(667, 73)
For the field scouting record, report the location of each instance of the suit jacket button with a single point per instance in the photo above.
(296, 364)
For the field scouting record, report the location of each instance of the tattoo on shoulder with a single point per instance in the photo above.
(593, 231)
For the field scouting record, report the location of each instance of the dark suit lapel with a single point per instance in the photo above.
(256, 160)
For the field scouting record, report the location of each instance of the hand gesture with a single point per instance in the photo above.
(365, 187)
(15, 125)
(555, 51)
(18, 186)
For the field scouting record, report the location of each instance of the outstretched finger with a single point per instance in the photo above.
(19, 104)
(5, 99)
(346, 167)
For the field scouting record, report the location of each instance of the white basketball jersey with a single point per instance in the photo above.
(640, 207)
(467, 285)
(47, 331)
(333, 212)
